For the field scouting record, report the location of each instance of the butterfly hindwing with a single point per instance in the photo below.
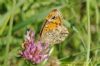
(52, 28)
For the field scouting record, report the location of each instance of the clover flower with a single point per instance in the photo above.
(35, 52)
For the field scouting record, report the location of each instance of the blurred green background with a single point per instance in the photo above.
(81, 17)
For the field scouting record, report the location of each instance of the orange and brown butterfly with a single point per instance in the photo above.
(53, 31)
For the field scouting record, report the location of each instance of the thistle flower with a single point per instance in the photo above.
(35, 52)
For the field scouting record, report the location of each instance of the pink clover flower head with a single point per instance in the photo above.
(35, 52)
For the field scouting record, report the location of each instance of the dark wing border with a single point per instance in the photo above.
(43, 25)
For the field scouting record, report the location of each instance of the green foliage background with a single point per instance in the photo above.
(81, 17)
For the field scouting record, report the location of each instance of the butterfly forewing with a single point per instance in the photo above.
(53, 31)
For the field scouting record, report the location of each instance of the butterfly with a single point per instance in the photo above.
(53, 31)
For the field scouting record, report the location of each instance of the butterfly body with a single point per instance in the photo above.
(53, 30)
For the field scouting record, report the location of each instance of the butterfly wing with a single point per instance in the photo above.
(52, 21)
(53, 30)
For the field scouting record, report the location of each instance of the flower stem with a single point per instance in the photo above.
(89, 33)
(9, 41)
(9, 37)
